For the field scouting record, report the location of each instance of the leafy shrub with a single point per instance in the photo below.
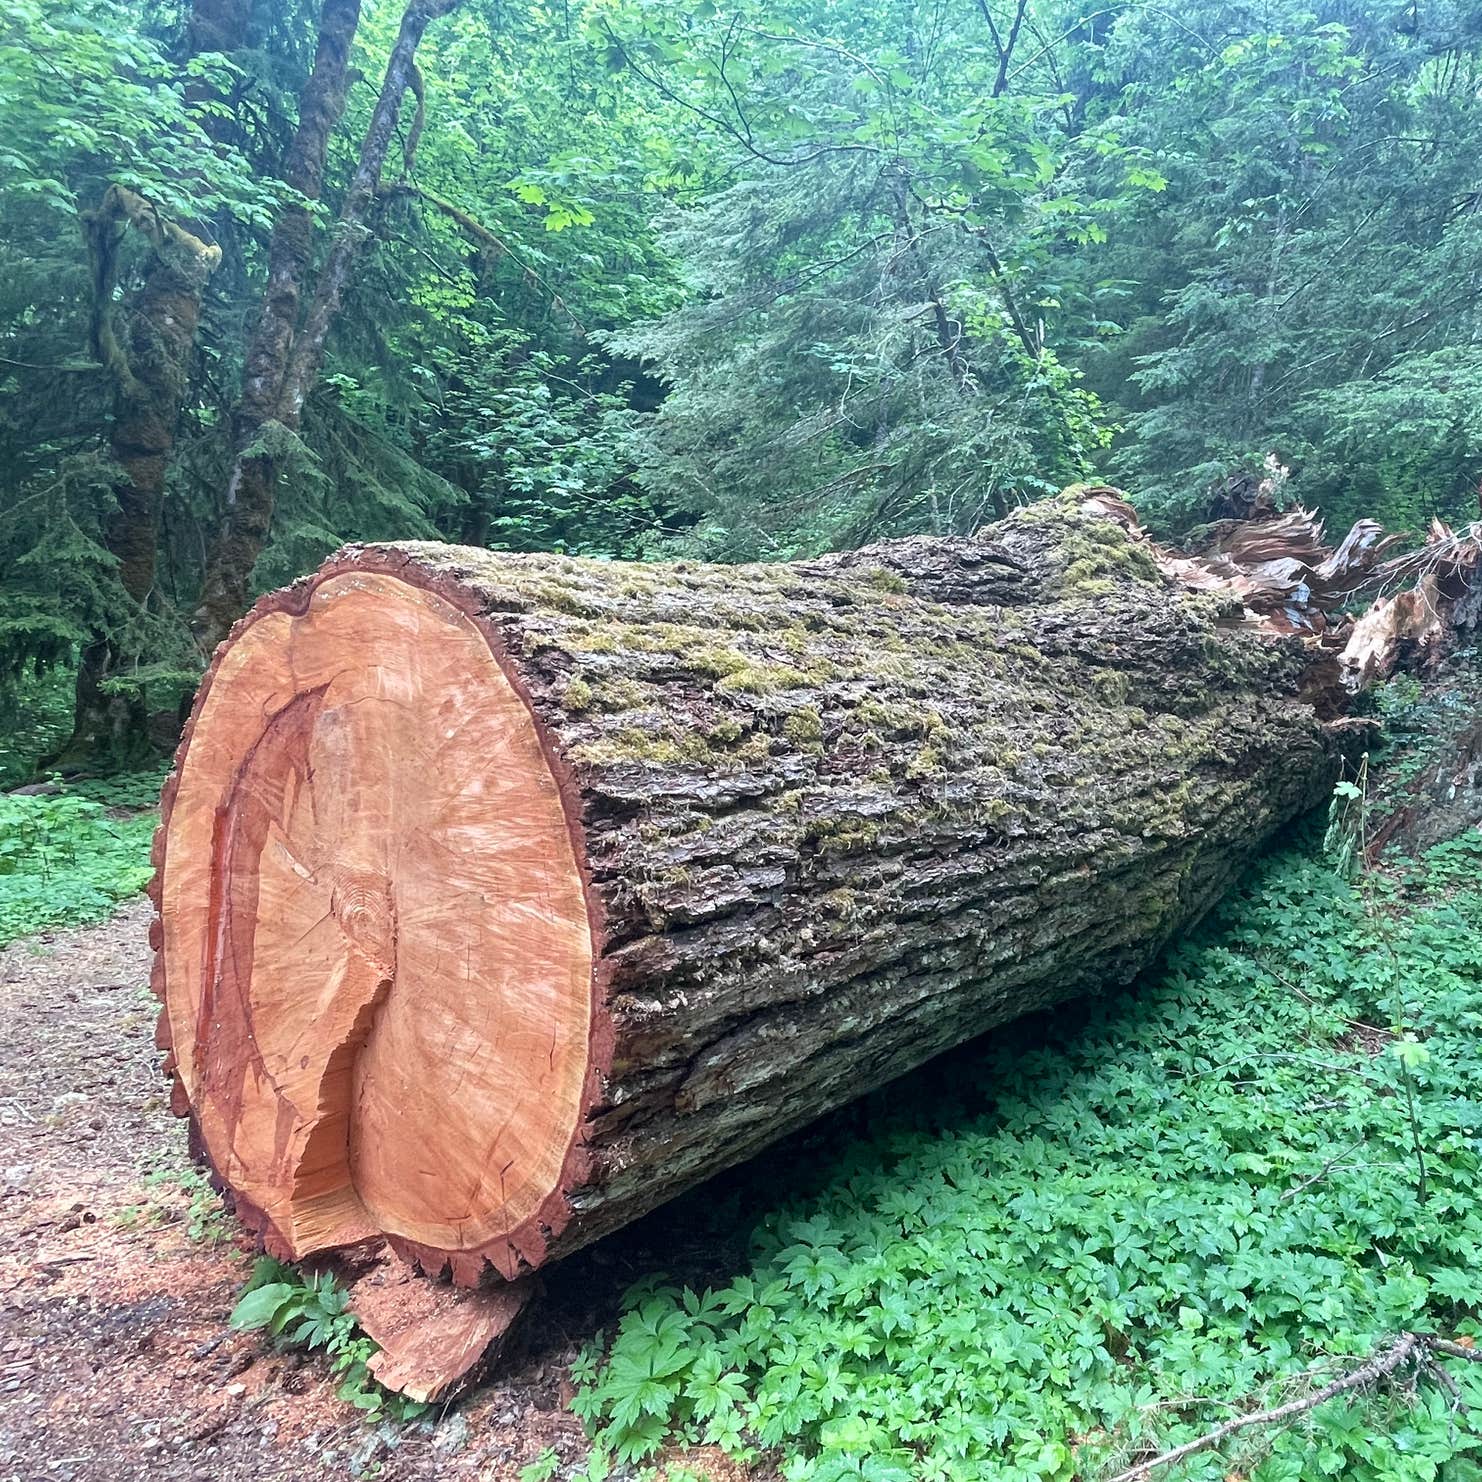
(1203, 1198)
(67, 858)
(38, 711)
(313, 1312)
(123, 789)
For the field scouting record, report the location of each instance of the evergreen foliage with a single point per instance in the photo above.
(1314, 249)
(676, 277)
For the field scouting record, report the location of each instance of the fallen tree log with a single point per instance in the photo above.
(501, 898)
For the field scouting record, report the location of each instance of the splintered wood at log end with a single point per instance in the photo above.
(434, 1338)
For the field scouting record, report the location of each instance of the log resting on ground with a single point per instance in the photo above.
(501, 898)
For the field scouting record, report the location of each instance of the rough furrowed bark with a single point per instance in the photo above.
(504, 897)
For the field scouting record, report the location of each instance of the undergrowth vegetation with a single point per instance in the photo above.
(71, 855)
(1215, 1194)
(313, 1312)
(38, 716)
(183, 1196)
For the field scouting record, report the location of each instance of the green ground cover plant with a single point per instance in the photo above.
(1077, 1248)
(70, 856)
(301, 1310)
(184, 1195)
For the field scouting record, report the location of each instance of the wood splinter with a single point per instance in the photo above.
(433, 1338)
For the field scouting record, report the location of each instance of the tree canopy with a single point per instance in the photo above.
(675, 277)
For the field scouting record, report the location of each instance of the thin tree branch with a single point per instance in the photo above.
(725, 125)
(1005, 49)
(417, 87)
(481, 234)
(1408, 1350)
(75, 369)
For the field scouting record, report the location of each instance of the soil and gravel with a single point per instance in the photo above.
(116, 1361)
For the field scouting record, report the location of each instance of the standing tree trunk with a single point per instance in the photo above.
(149, 365)
(249, 492)
(285, 356)
(504, 897)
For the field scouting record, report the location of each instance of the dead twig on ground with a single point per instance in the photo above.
(1410, 1350)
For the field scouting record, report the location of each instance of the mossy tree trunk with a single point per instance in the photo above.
(286, 353)
(149, 365)
(504, 897)
(248, 504)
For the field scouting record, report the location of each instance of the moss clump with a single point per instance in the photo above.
(1100, 553)
(613, 695)
(756, 748)
(843, 903)
(1086, 578)
(841, 835)
(886, 581)
(634, 745)
(992, 812)
(714, 661)
(1111, 685)
(897, 720)
(804, 728)
(577, 696)
(726, 732)
(1093, 553)
(589, 639)
(761, 679)
(928, 762)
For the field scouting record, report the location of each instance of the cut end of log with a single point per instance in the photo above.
(375, 950)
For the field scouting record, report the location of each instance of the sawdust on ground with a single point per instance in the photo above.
(116, 1361)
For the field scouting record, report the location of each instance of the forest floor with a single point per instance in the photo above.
(118, 1269)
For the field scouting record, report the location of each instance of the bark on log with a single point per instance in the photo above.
(504, 897)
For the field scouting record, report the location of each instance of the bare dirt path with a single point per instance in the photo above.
(115, 1358)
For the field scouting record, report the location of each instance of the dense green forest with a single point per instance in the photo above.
(644, 279)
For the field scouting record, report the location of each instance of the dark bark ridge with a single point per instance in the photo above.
(839, 815)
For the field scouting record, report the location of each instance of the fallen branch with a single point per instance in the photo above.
(1408, 1350)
